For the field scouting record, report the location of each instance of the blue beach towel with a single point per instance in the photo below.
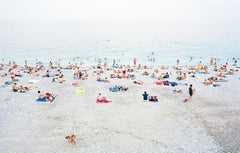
(41, 100)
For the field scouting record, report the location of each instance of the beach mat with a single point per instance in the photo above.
(43, 100)
(79, 91)
(32, 81)
(104, 101)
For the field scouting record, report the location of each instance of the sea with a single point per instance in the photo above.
(91, 42)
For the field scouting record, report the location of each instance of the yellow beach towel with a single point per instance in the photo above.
(79, 91)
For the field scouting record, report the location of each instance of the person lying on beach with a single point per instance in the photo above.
(55, 79)
(122, 88)
(76, 83)
(177, 68)
(42, 95)
(231, 72)
(207, 81)
(84, 76)
(132, 76)
(25, 89)
(221, 73)
(29, 88)
(103, 80)
(20, 89)
(177, 91)
(214, 78)
(118, 88)
(47, 74)
(113, 75)
(18, 74)
(225, 67)
(145, 73)
(138, 82)
(153, 98)
(61, 80)
(47, 96)
(49, 99)
(14, 79)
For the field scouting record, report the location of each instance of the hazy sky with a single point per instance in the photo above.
(190, 10)
(213, 18)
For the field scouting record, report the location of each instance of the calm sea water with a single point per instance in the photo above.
(88, 41)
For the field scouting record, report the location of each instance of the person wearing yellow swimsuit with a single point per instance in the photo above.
(199, 66)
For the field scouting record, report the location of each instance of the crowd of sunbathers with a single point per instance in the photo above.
(118, 71)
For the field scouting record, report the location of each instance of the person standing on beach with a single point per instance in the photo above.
(199, 66)
(114, 63)
(190, 91)
(211, 61)
(134, 62)
(178, 62)
(145, 96)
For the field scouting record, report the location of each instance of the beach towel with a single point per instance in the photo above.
(174, 91)
(222, 80)
(173, 83)
(104, 101)
(165, 83)
(32, 81)
(42, 100)
(216, 85)
(79, 91)
(202, 72)
(159, 83)
(114, 89)
(7, 83)
(181, 84)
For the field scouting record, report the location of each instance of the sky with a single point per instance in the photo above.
(203, 10)
(215, 17)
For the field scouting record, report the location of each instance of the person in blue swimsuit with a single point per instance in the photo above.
(145, 96)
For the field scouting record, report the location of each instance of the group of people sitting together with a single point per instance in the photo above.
(47, 97)
(118, 88)
(80, 74)
(147, 97)
(21, 89)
